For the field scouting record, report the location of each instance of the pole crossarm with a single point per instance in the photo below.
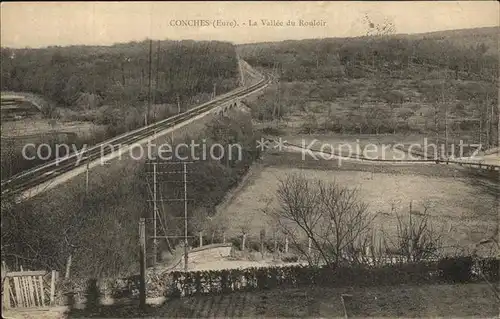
(155, 200)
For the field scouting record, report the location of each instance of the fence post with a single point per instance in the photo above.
(243, 243)
(6, 291)
(286, 245)
(53, 288)
(142, 250)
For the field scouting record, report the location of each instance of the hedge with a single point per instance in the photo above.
(178, 284)
(447, 270)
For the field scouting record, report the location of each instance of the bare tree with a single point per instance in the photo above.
(328, 215)
(416, 238)
(245, 229)
(199, 223)
(218, 226)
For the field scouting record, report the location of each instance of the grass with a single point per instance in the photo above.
(462, 206)
(452, 300)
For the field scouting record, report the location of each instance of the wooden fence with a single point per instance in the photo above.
(28, 289)
(489, 167)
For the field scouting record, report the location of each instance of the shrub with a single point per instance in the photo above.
(290, 258)
(490, 267)
(272, 131)
(236, 241)
(456, 269)
(253, 245)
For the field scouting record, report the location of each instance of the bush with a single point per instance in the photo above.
(456, 269)
(272, 131)
(490, 267)
(290, 258)
(236, 241)
(253, 245)
(269, 245)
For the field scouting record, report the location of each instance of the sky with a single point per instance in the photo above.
(26, 24)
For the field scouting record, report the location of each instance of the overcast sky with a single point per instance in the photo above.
(102, 23)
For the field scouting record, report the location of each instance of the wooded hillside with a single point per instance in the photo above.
(390, 83)
(121, 72)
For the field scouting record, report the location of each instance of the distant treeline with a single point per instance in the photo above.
(121, 72)
(464, 55)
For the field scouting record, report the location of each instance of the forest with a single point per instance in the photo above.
(387, 83)
(108, 86)
(120, 73)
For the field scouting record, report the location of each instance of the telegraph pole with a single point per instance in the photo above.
(155, 213)
(142, 262)
(445, 119)
(242, 77)
(446, 131)
(181, 235)
(279, 95)
(150, 71)
(87, 178)
(157, 68)
(276, 77)
(480, 130)
(185, 220)
(178, 104)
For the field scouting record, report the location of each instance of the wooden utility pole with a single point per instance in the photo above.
(155, 213)
(446, 131)
(87, 177)
(185, 220)
(480, 130)
(445, 119)
(488, 123)
(278, 92)
(178, 105)
(176, 199)
(157, 81)
(242, 77)
(142, 261)
(149, 86)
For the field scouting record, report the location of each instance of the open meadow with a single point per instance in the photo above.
(462, 208)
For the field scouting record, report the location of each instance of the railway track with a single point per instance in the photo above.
(36, 176)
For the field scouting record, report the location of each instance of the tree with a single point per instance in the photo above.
(405, 113)
(416, 239)
(377, 116)
(330, 216)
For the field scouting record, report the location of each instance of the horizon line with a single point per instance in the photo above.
(237, 43)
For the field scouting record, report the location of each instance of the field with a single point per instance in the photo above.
(463, 207)
(28, 127)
